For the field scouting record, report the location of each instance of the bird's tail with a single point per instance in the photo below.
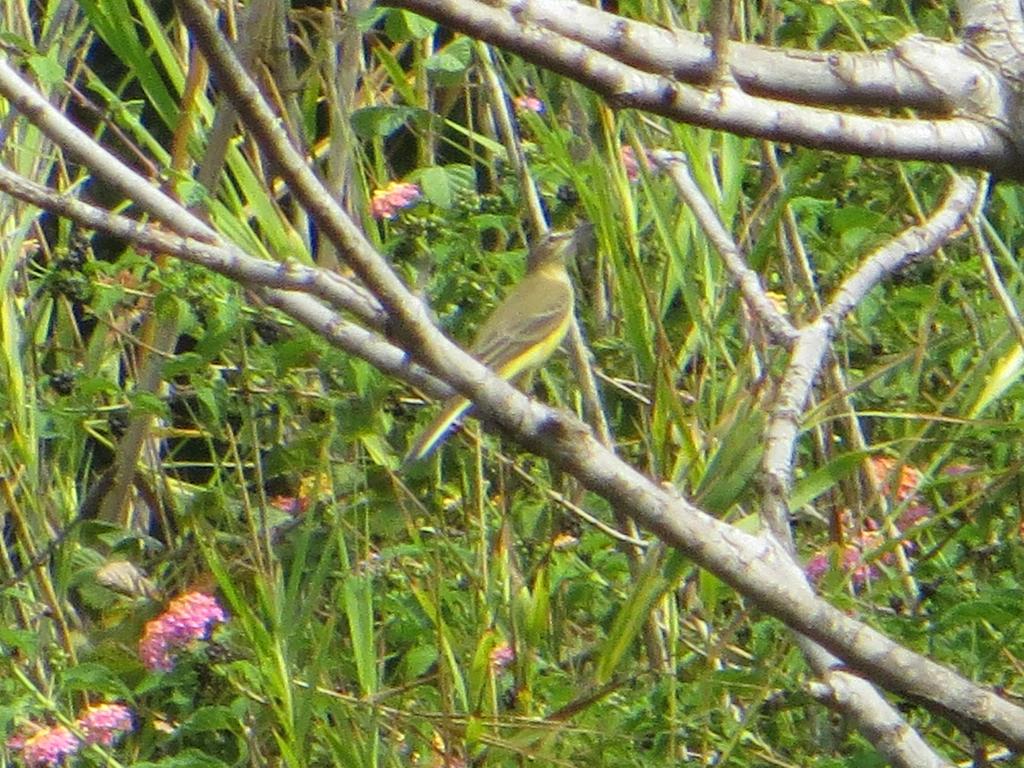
(433, 435)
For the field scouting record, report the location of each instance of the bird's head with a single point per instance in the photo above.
(558, 247)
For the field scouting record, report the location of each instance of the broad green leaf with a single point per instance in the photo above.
(824, 478)
(441, 184)
(372, 122)
(47, 70)
(404, 25)
(629, 620)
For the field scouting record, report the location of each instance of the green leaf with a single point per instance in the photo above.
(168, 307)
(379, 449)
(402, 26)
(825, 478)
(358, 597)
(972, 611)
(16, 42)
(115, 22)
(381, 122)
(539, 617)
(442, 184)
(47, 70)
(1006, 373)
(448, 65)
(367, 20)
(20, 640)
(147, 402)
(209, 404)
(207, 719)
(416, 661)
(184, 363)
(629, 620)
(445, 69)
(734, 463)
(480, 667)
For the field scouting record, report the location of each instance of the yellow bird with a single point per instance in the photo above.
(521, 333)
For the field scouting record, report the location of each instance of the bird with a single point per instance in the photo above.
(522, 332)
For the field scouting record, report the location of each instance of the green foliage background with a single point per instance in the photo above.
(365, 604)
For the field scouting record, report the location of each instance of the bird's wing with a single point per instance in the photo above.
(532, 311)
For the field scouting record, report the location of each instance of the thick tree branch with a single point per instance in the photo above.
(876, 719)
(813, 344)
(825, 78)
(994, 31)
(979, 136)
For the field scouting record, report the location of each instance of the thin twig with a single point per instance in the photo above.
(747, 280)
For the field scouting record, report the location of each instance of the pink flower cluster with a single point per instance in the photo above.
(632, 164)
(902, 488)
(103, 723)
(528, 104)
(188, 618)
(851, 560)
(502, 656)
(388, 201)
(48, 746)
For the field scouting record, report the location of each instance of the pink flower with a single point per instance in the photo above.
(104, 723)
(387, 202)
(912, 515)
(16, 742)
(528, 104)
(502, 656)
(46, 746)
(957, 469)
(632, 164)
(817, 566)
(853, 558)
(187, 619)
(291, 505)
(851, 561)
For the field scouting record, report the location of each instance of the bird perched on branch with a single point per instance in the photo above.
(521, 333)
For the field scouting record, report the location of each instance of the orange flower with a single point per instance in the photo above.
(882, 469)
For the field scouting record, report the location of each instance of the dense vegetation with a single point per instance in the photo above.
(211, 554)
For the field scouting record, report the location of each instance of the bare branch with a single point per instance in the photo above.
(217, 256)
(833, 78)
(875, 718)
(978, 137)
(357, 341)
(276, 284)
(101, 163)
(748, 281)
(812, 346)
